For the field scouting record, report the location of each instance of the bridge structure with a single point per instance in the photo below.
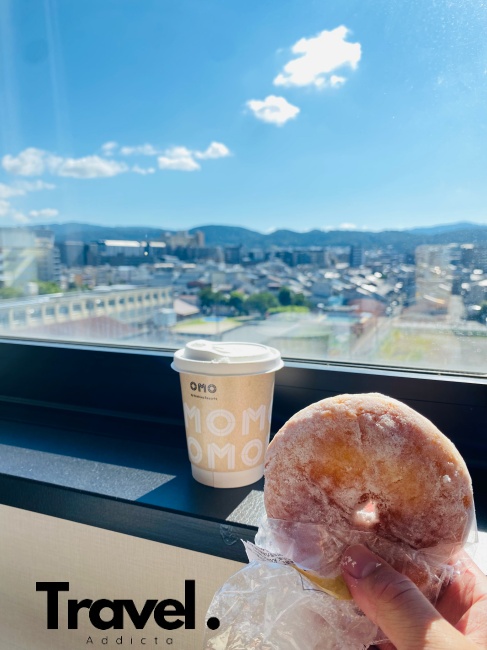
(129, 304)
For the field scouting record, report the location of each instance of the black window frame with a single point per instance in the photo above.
(137, 382)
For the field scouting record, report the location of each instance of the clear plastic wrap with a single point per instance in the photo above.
(271, 605)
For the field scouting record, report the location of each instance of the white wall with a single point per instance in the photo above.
(98, 564)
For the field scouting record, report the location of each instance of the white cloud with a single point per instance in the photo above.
(140, 150)
(336, 81)
(215, 150)
(183, 159)
(275, 110)
(178, 164)
(143, 170)
(347, 226)
(178, 152)
(20, 188)
(45, 213)
(30, 162)
(108, 149)
(36, 162)
(6, 191)
(34, 186)
(19, 217)
(5, 208)
(172, 157)
(90, 167)
(178, 159)
(320, 56)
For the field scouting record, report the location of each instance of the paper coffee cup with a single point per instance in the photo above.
(227, 391)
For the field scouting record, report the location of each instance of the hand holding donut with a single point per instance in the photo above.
(370, 464)
(396, 605)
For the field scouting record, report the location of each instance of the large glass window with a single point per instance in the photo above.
(310, 175)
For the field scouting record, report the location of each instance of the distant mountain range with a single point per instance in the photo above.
(403, 240)
(447, 227)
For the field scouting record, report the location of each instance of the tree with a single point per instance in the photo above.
(261, 302)
(237, 301)
(48, 287)
(288, 298)
(285, 296)
(10, 292)
(209, 298)
(299, 300)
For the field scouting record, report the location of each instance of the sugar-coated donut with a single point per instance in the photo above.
(369, 461)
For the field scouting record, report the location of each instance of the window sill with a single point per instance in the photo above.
(137, 488)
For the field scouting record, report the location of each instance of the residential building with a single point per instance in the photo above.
(48, 256)
(18, 258)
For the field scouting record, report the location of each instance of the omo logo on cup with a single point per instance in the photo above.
(222, 423)
(229, 432)
(202, 387)
(227, 400)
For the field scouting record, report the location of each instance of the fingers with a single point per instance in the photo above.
(467, 592)
(396, 605)
(471, 589)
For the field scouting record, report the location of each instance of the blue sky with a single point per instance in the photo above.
(259, 113)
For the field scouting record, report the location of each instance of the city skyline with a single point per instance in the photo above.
(354, 116)
(407, 303)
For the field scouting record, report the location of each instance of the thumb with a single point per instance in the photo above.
(396, 605)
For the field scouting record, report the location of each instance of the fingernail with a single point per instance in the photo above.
(359, 562)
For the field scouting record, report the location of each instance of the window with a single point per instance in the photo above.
(343, 176)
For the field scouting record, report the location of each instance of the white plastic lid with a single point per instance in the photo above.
(214, 358)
